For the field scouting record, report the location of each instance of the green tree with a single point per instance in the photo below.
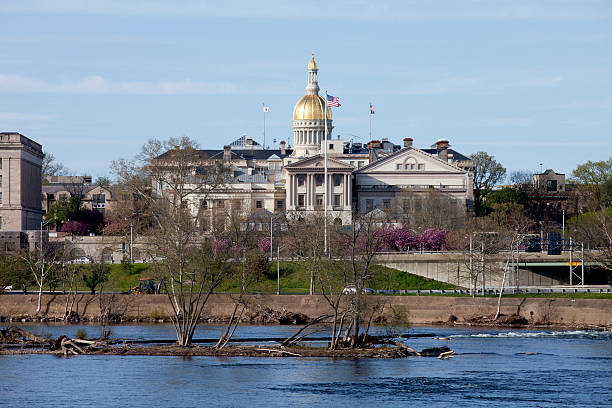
(487, 173)
(102, 181)
(597, 177)
(96, 274)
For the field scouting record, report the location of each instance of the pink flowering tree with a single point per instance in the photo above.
(75, 227)
(264, 245)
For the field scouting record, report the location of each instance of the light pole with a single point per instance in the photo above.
(131, 239)
(42, 224)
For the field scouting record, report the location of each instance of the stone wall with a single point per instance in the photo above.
(410, 309)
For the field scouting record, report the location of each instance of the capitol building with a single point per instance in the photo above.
(290, 179)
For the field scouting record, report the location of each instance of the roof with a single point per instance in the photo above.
(456, 154)
(398, 152)
(241, 142)
(548, 171)
(243, 154)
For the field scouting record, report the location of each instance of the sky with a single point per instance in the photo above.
(529, 82)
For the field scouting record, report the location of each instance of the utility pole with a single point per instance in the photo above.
(472, 278)
(482, 258)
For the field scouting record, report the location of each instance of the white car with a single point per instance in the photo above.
(351, 290)
(82, 260)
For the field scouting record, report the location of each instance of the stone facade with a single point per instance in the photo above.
(20, 183)
(549, 181)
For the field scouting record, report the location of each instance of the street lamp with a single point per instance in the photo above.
(42, 224)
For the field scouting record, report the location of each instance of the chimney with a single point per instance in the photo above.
(374, 144)
(282, 148)
(227, 155)
(442, 149)
(407, 142)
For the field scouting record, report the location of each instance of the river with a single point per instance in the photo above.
(494, 367)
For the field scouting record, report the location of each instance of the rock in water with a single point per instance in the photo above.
(434, 351)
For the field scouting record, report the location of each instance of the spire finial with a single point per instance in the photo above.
(312, 65)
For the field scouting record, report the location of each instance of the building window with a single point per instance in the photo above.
(0, 222)
(0, 197)
(301, 178)
(398, 166)
(258, 204)
(369, 205)
(220, 204)
(204, 204)
(331, 146)
(337, 180)
(359, 164)
(421, 166)
(301, 200)
(0, 181)
(98, 198)
(353, 163)
(551, 185)
(280, 204)
(319, 180)
(0, 164)
(386, 204)
(337, 200)
(319, 200)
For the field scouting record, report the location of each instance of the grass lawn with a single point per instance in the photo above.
(294, 278)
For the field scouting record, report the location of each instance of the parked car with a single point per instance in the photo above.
(351, 290)
(81, 260)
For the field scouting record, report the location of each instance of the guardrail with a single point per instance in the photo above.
(495, 291)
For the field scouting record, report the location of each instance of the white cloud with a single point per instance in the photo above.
(99, 85)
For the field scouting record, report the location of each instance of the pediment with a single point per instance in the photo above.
(318, 162)
(409, 159)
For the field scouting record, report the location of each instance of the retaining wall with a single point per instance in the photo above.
(411, 309)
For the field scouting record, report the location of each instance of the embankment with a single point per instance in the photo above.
(399, 309)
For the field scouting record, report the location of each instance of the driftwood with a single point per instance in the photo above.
(446, 355)
(407, 351)
(27, 335)
(292, 339)
(279, 351)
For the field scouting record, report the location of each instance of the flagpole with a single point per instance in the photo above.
(264, 124)
(370, 122)
(325, 183)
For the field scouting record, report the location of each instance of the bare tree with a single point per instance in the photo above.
(41, 264)
(169, 179)
(433, 209)
(306, 240)
(360, 243)
(50, 167)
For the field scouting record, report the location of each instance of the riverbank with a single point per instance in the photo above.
(398, 309)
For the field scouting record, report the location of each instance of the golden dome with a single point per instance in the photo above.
(310, 107)
(312, 65)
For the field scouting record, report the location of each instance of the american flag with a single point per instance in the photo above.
(333, 101)
(371, 109)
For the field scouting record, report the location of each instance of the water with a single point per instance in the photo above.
(505, 368)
